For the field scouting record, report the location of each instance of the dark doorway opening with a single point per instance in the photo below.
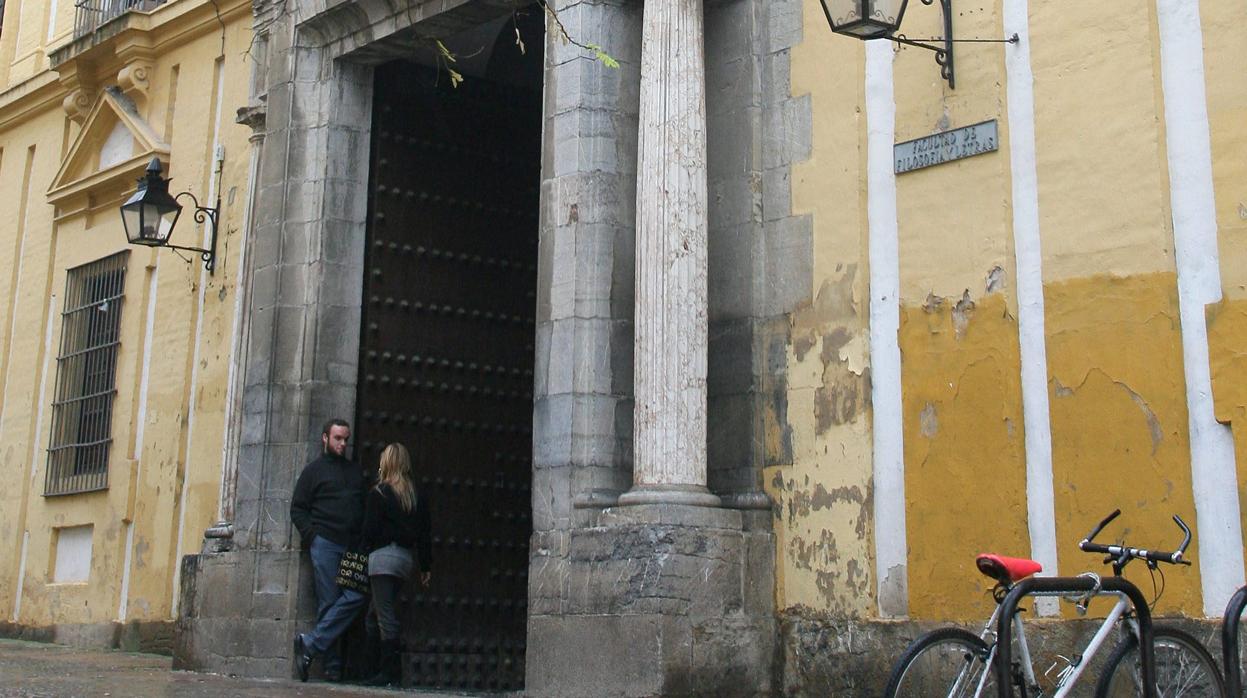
(447, 337)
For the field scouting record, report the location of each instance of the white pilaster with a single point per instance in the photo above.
(1188, 146)
(669, 430)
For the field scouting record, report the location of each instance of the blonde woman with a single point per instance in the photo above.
(397, 534)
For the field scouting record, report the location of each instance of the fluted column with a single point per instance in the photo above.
(669, 464)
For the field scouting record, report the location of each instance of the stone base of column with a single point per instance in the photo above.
(238, 612)
(656, 600)
(685, 495)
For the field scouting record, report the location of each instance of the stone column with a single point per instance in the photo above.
(669, 464)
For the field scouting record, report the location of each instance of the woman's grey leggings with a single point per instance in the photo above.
(385, 590)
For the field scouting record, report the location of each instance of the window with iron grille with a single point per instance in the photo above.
(86, 376)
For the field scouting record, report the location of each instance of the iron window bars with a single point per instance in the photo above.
(86, 376)
(90, 15)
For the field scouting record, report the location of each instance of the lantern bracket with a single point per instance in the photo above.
(944, 52)
(203, 215)
(944, 49)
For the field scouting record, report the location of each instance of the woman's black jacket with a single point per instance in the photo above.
(385, 522)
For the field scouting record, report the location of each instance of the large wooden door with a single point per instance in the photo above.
(446, 355)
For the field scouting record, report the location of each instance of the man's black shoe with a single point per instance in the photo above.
(302, 658)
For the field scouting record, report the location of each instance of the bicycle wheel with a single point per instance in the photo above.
(1183, 668)
(945, 662)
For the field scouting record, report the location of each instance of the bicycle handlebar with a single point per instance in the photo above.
(1122, 554)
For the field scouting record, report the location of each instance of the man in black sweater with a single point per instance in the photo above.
(327, 509)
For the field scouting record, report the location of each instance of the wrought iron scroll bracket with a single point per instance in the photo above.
(943, 47)
(204, 214)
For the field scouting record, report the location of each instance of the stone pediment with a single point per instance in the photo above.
(113, 147)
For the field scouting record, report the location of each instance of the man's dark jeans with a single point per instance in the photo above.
(336, 607)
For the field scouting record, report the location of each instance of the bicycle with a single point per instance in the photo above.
(1230, 643)
(955, 662)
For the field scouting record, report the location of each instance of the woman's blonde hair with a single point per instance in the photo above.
(395, 471)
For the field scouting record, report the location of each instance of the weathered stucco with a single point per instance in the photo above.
(177, 322)
(1119, 422)
(1117, 394)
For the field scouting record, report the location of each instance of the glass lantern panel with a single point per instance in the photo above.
(887, 12)
(130, 218)
(165, 227)
(844, 12)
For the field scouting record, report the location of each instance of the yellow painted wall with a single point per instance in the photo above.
(824, 505)
(965, 482)
(1227, 321)
(1116, 387)
(165, 460)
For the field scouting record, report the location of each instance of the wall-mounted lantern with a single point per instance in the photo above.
(881, 19)
(150, 214)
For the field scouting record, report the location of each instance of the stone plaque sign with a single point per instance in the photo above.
(945, 147)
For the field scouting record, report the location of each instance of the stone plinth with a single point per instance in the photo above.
(659, 599)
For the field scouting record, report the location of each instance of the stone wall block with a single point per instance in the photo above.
(307, 64)
(269, 639)
(788, 135)
(246, 516)
(263, 287)
(776, 194)
(776, 77)
(591, 357)
(759, 583)
(783, 24)
(548, 581)
(730, 28)
(552, 500)
(272, 578)
(343, 241)
(621, 369)
(732, 132)
(732, 654)
(734, 202)
(304, 204)
(558, 255)
(730, 444)
(541, 345)
(217, 586)
(346, 199)
(789, 264)
(265, 246)
(730, 369)
(572, 657)
(552, 429)
(289, 341)
(730, 293)
(309, 105)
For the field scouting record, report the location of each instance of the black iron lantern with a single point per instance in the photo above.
(150, 214)
(881, 19)
(865, 19)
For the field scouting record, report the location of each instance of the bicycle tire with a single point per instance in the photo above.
(945, 662)
(1184, 668)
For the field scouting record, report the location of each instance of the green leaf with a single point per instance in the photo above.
(598, 54)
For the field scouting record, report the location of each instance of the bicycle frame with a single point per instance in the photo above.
(1127, 595)
(1071, 676)
(1229, 642)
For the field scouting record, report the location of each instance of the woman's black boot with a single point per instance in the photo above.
(391, 673)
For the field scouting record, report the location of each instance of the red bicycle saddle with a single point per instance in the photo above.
(1006, 570)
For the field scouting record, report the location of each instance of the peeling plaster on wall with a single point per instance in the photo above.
(823, 510)
(1116, 376)
(963, 451)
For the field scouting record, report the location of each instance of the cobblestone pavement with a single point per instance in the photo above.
(37, 670)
